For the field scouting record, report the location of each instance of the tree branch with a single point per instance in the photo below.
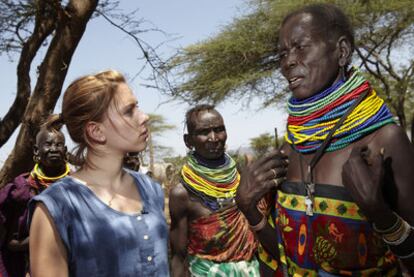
(70, 28)
(43, 28)
(149, 53)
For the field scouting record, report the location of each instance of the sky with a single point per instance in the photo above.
(103, 47)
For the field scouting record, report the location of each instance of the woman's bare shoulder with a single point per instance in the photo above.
(179, 193)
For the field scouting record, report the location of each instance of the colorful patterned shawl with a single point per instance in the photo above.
(223, 236)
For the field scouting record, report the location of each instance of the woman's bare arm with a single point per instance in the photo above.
(380, 179)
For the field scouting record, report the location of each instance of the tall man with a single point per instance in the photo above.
(209, 235)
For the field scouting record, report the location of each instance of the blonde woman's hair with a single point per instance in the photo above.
(87, 99)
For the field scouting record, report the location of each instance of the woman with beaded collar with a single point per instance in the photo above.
(49, 155)
(343, 153)
(209, 235)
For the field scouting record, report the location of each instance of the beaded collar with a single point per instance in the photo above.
(215, 186)
(311, 119)
(40, 181)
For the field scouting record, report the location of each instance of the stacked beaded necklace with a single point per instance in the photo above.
(214, 186)
(40, 181)
(311, 119)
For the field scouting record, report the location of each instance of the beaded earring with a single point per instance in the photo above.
(36, 158)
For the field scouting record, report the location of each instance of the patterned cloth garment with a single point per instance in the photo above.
(206, 268)
(222, 237)
(336, 241)
(14, 198)
(101, 241)
(13, 215)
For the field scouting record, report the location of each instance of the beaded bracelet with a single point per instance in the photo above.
(399, 236)
(397, 233)
(259, 226)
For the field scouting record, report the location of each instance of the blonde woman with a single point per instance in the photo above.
(103, 220)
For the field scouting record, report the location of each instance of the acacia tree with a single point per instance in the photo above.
(26, 27)
(156, 125)
(241, 61)
(381, 45)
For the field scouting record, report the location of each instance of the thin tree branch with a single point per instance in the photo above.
(43, 28)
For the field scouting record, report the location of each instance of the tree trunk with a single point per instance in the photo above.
(71, 24)
(44, 25)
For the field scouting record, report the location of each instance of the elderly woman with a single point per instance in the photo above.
(343, 208)
(49, 155)
(209, 235)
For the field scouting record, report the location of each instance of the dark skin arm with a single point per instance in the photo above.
(258, 179)
(2, 234)
(381, 181)
(18, 245)
(179, 202)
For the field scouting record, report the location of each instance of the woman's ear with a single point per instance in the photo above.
(94, 132)
(344, 48)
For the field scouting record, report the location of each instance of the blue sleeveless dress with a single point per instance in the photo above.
(101, 241)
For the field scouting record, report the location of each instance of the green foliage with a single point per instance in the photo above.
(262, 144)
(236, 61)
(385, 35)
(239, 158)
(157, 126)
(240, 62)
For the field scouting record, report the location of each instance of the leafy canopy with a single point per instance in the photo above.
(240, 62)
